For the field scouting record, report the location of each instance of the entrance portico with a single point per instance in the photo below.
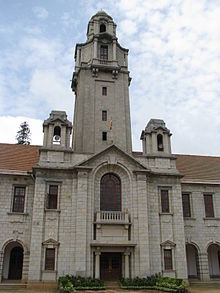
(113, 261)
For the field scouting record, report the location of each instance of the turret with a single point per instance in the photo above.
(156, 138)
(57, 130)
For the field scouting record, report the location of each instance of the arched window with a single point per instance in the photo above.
(56, 135)
(160, 142)
(102, 28)
(110, 193)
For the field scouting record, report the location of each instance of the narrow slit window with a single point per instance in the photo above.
(104, 115)
(104, 91)
(104, 135)
(186, 205)
(209, 209)
(52, 197)
(160, 142)
(165, 201)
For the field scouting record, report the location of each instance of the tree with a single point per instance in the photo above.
(23, 134)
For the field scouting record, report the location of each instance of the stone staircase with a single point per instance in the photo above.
(112, 285)
(215, 284)
(12, 285)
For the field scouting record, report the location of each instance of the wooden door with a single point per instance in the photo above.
(110, 264)
(16, 263)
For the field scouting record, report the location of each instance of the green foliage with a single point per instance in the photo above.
(78, 282)
(65, 285)
(155, 282)
(149, 281)
(23, 134)
(171, 283)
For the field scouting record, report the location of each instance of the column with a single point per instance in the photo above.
(95, 48)
(114, 50)
(126, 254)
(204, 266)
(97, 263)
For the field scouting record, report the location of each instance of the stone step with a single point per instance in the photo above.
(12, 286)
(206, 284)
(112, 285)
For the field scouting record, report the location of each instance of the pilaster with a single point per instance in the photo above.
(81, 219)
(143, 244)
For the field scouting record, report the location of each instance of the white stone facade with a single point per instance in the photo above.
(146, 232)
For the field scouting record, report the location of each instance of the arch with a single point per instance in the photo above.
(213, 251)
(56, 135)
(192, 257)
(125, 177)
(13, 256)
(110, 193)
(102, 28)
(160, 147)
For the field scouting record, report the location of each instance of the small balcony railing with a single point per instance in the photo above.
(111, 63)
(111, 217)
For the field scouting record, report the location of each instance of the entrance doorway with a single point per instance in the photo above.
(110, 266)
(15, 263)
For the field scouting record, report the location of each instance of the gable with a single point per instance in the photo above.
(113, 155)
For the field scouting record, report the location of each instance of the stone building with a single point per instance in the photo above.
(97, 208)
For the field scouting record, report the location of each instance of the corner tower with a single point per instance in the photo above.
(100, 82)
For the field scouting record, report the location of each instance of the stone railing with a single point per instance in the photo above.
(109, 217)
(112, 63)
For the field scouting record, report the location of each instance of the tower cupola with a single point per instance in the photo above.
(101, 24)
(156, 138)
(57, 130)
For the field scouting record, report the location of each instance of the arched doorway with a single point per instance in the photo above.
(13, 261)
(110, 193)
(192, 261)
(214, 260)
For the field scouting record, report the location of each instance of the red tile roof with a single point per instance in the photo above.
(194, 168)
(199, 168)
(18, 157)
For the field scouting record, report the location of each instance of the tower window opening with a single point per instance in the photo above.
(104, 91)
(160, 143)
(57, 135)
(102, 28)
(104, 52)
(104, 115)
(104, 135)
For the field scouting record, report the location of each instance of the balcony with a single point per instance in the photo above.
(107, 63)
(112, 217)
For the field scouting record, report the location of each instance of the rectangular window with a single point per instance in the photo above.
(104, 115)
(104, 135)
(104, 52)
(104, 91)
(168, 263)
(18, 200)
(50, 259)
(164, 201)
(186, 205)
(52, 197)
(209, 209)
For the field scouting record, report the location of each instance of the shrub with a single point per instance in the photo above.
(77, 282)
(155, 282)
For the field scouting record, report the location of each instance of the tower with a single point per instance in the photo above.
(100, 82)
